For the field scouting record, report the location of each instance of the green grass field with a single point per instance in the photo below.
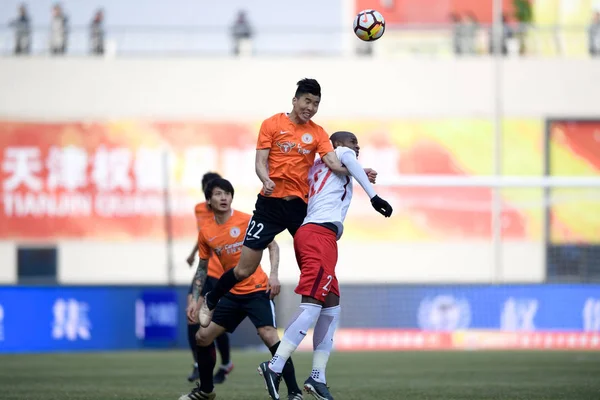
(412, 375)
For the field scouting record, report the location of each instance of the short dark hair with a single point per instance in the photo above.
(308, 86)
(220, 183)
(341, 136)
(209, 176)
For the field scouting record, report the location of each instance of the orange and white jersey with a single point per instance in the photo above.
(329, 194)
(226, 242)
(204, 213)
(293, 148)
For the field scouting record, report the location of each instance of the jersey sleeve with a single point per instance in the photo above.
(348, 158)
(341, 151)
(324, 146)
(203, 248)
(265, 135)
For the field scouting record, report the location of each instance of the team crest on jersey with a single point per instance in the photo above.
(307, 138)
(286, 147)
(234, 232)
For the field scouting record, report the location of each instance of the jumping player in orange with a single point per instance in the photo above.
(286, 149)
(223, 235)
(202, 212)
(316, 250)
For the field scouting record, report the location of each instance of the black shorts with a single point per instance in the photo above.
(272, 216)
(209, 285)
(233, 308)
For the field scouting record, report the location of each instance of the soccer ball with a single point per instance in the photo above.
(369, 25)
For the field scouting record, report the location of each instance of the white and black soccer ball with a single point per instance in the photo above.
(369, 25)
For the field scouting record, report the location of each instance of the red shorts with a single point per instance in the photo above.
(317, 254)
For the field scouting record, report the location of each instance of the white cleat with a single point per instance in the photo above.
(205, 315)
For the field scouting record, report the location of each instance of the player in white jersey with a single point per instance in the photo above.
(315, 244)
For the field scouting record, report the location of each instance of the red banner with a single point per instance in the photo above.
(107, 180)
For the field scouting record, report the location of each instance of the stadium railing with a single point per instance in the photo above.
(400, 40)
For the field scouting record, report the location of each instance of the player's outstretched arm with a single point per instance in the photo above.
(274, 285)
(358, 173)
(333, 163)
(262, 170)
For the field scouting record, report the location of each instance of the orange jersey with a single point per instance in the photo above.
(203, 213)
(292, 152)
(226, 242)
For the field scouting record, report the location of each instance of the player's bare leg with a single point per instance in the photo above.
(249, 262)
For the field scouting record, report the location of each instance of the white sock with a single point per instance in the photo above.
(323, 341)
(226, 366)
(304, 319)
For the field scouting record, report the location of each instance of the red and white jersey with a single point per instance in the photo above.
(329, 194)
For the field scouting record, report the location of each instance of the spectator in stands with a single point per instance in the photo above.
(456, 33)
(58, 30)
(241, 32)
(22, 31)
(594, 35)
(464, 33)
(97, 33)
(507, 37)
(470, 29)
(508, 34)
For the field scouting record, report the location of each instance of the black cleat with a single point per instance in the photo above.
(197, 394)
(318, 390)
(271, 378)
(222, 374)
(195, 375)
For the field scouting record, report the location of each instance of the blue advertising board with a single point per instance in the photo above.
(38, 319)
(59, 318)
(159, 312)
(551, 307)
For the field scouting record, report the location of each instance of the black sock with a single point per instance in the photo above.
(288, 373)
(207, 358)
(223, 286)
(223, 347)
(192, 329)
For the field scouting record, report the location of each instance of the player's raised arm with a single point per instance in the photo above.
(333, 163)
(274, 285)
(358, 173)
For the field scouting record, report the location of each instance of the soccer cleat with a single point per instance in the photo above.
(194, 376)
(205, 314)
(318, 390)
(222, 373)
(295, 396)
(197, 394)
(271, 378)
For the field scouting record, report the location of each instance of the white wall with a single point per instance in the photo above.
(83, 89)
(68, 89)
(8, 262)
(457, 262)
